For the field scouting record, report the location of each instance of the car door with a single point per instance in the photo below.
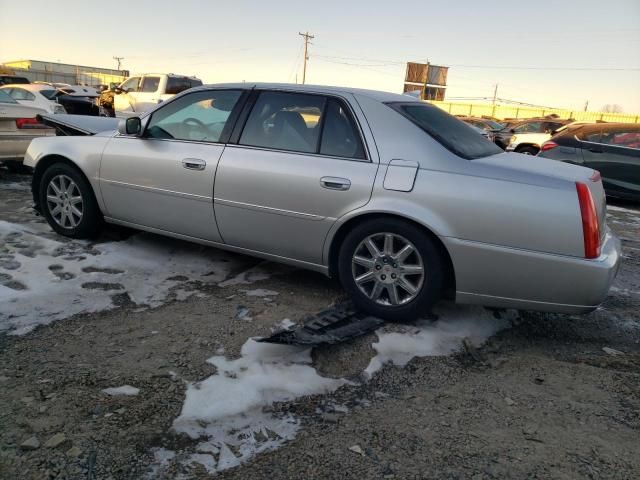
(616, 155)
(299, 164)
(147, 95)
(163, 179)
(123, 100)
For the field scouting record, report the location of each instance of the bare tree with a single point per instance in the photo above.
(611, 108)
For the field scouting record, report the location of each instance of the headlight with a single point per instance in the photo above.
(513, 139)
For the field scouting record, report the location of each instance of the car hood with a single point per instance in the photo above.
(79, 124)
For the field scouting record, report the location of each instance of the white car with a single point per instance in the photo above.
(141, 93)
(18, 126)
(33, 95)
(528, 137)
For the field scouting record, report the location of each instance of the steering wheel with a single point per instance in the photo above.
(196, 123)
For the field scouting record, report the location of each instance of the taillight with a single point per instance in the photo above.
(548, 146)
(27, 123)
(590, 227)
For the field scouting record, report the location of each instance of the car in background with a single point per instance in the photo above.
(398, 199)
(76, 99)
(10, 79)
(527, 136)
(140, 94)
(613, 149)
(18, 126)
(32, 95)
(488, 126)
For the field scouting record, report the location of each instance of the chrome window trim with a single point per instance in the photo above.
(607, 144)
(294, 152)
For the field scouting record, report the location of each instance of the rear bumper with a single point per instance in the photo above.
(510, 278)
(13, 147)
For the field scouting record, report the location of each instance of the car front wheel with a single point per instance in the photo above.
(391, 268)
(68, 203)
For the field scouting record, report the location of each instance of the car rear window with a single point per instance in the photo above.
(453, 134)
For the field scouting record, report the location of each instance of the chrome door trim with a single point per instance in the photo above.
(163, 191)
(277, 211)
(293, 152)
(223, 246)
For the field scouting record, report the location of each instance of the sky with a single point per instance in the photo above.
(558, 53)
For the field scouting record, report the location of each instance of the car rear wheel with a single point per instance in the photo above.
(68, 203)
(528, 150)
(391, 269)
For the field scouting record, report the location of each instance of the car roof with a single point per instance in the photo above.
(326, 89)
(34, 87)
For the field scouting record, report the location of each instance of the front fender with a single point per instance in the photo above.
(83, 152)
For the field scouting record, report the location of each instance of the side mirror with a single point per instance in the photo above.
(130, 126)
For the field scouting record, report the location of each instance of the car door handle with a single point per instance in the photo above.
(595, 150)
(335, 183)
(194, 163)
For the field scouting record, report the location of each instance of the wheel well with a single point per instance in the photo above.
(338, 238)
(41, 167)
(523, 145)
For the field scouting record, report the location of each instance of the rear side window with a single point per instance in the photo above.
(176, 85)
(340, 137)
(284, 121)
(453, 134)
(21, 94)
(150, 84)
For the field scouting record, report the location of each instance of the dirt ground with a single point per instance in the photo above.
(552, 396)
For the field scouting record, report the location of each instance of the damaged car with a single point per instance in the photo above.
(402, 202)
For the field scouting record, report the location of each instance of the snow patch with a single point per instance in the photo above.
(44, 277)
(127, 390)
(229, 408)
(442, 337)
(260, 292)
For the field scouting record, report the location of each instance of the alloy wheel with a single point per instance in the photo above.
(64, 201)
(388, 269)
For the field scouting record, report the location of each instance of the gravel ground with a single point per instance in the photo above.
(554, 396)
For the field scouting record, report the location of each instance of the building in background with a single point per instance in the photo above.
(428, 81)
(37, 70)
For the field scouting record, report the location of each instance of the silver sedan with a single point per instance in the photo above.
(401, 201)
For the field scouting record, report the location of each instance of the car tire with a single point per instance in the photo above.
(375, 294)
(78, 215)
(528, 150)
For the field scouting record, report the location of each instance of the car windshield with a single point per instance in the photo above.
(451, 133)
(6, 98)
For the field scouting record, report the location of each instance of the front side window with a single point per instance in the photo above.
(130, 85)
(285, 121)
(622, 137)
(150, 84)
(199, 116)
(590, 136)
(453, 134)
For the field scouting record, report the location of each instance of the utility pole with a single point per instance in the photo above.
(307, 37)
(119, 60)
(586, 105)
(495, 96)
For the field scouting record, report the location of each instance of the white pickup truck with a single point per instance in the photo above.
(141, 93)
